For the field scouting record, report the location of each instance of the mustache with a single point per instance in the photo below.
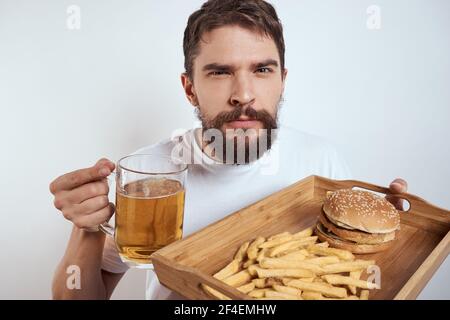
(265, 117)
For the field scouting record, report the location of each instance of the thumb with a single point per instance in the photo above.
(398, 186)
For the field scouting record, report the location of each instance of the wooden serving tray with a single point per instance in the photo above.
(422, 243)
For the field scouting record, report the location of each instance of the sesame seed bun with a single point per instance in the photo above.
(361, 210)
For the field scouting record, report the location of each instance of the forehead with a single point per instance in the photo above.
(235, 45)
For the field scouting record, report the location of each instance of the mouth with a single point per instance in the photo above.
(243, 123)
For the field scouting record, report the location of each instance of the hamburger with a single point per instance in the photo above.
(358, 221)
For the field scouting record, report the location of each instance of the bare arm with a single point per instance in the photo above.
(84, 250)
(81, 196)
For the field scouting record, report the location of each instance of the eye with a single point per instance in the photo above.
(218, 73)
(264, 70)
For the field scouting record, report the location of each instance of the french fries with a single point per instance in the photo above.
(324, 251)
(293, 244)
(252, 251)
(248, 263)
(279, 263)
(276, 242)
(238, 279)
(301, 254)
(246, 288)
(262, 254)
(295, 273)
(242, 252)
(282, 234)
(214, 292)
(355, 275)
(324, 244)
(348, 266)
(303, 234)
(270, 282)
(309, 295)
(294, 266)
(364, 295)
(229, 270)
(288, 290)
(259, 283)
(323, 261)
(258, 293)
(283, 295)
(340, 280)
(322, 288)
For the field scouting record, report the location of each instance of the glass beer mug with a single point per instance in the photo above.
(150, 193)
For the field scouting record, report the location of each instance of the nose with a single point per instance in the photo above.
(242, 93)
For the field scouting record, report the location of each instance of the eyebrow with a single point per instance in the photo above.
(218, 66)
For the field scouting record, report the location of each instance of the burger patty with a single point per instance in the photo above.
(355, 235)
(358, 248)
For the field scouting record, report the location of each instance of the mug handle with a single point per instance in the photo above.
(105, 226)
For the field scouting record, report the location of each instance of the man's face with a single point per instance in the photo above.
(237, 80)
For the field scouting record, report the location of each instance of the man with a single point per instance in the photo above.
(235, 77)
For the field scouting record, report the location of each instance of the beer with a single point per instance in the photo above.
(149, 216)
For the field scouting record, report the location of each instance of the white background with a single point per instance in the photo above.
(69, 97)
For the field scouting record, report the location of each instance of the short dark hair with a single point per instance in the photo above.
(255, 15)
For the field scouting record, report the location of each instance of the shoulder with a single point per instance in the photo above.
(304, 142)
(165, 146)
(312, 154)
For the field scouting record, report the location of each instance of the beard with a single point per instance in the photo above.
(241, 146)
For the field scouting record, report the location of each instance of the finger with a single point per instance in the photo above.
(91, 221)
(397, 202)
(83, 193)
(87, 207)
(398, 185)
(107, 162)
(77, 178)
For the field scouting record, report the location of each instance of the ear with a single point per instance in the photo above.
(285, 73)
(189, 89)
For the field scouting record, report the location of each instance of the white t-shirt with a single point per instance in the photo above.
(215, 190)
